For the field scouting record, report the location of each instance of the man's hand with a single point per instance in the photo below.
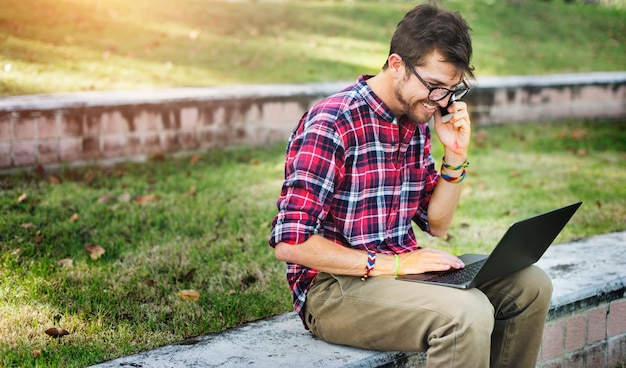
(455, 134)
(428, 260)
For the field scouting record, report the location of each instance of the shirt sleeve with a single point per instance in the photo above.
(313, 158)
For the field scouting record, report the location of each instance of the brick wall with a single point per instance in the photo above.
(588, 338)
(71, 128)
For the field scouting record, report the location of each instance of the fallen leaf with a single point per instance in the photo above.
(95, 251)
(581, 152)
(125, 197)
(147, 198)
(194, 158)
(515, 174)
(579, 134)
(36, 353)
(106, 198)
(192, 191)
(74, 217)
(28, 225)
(188, 295)
(56, 332)
(54, 180)
(21, 198)
(66, 262)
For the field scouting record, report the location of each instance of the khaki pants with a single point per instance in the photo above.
(499, 324)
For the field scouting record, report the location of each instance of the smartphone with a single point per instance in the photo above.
(445, 115)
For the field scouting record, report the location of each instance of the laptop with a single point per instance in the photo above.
(522, 245)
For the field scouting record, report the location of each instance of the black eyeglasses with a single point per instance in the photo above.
(439, 93)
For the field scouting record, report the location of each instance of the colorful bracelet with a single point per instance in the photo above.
(453, 179)
(371, 261)
(450, 167)
(397, 265)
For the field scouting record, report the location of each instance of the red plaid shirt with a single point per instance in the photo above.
(355, 175)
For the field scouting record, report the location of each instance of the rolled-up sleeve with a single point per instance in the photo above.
(311, 170)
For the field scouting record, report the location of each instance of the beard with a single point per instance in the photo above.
(412, 109)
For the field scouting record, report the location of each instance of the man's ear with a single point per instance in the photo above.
(396, 64)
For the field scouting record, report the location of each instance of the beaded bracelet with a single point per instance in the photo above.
(371, 261)
(450, 167)
(453, 179)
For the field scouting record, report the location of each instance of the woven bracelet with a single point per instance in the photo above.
(450, 167)
(371, 261)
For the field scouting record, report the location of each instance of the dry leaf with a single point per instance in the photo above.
(95, 251)
(21, 198)
(194, 158)
(106, 198)
(36, 353)
(54, 180)
(192, 191)
(147, 198)
(188, 295)
(28, 225)
(56, 332)
(74, 217)
(125, 197)
(66, 262)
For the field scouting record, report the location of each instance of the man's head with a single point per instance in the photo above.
(426, 29)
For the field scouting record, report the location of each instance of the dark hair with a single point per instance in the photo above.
(427, 28)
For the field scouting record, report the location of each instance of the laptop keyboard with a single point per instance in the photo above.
(459, 276)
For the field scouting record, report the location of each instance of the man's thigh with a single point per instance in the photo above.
(387, 314)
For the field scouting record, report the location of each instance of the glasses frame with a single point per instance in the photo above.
(457, 93)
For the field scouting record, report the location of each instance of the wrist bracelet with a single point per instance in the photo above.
(371, 261)
(450, 167)
(453, 179)
(397, 265)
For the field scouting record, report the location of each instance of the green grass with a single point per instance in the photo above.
(81, 45)
(207, 227)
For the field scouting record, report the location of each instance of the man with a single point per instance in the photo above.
(358, 170)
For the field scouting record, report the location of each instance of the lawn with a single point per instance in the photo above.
(82, 45)
(133, 256)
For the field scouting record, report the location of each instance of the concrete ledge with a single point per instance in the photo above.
(588, 276)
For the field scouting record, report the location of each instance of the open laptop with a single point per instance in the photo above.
(522, 245)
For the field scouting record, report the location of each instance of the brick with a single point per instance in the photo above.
(133, 145)
(617, 318)
(147, 121)
(189, 118)
(91, 147)
(47, 127)
(575, 333)
(596, 329)
(170, 142)
(6, 129)
(5, 156)
(152, 143)
(113, 122)
(596, 356)
(70, 149)
(24, 153)
(576, 360)
(48, 152)
(113, 145)
(24, 129)
(552, 343)
(617, 351)
(71, 124)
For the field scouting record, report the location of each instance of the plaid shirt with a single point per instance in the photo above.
(355, 175)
